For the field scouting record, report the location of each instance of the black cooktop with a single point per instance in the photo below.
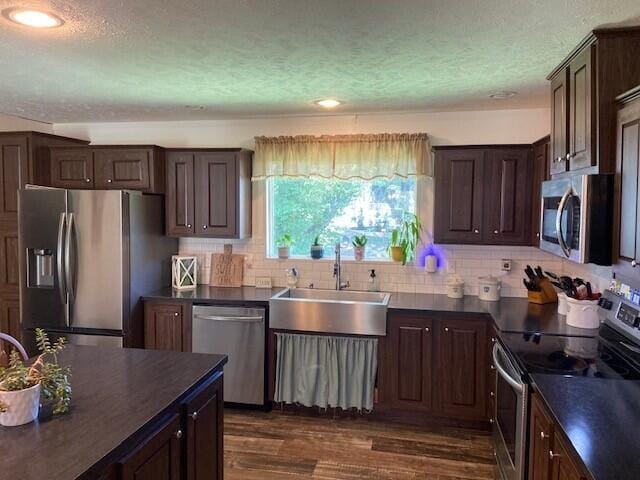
(596, 357)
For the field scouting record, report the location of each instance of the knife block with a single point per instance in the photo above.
(547, 293)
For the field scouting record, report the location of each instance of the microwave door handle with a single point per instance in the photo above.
(561, 241)
(62, 286)
(517, 386)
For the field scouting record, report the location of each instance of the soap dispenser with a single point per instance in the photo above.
(373, 282)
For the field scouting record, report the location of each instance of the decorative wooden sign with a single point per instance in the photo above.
(226, 268)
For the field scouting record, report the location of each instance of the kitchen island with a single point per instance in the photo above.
(135, 414)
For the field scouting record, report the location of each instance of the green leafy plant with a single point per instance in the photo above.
(52, 377)
(286, 240)
(359, 241)
(316, 241)
(407, 236)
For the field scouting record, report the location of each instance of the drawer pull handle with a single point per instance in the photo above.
(543, 435)
(553, 455)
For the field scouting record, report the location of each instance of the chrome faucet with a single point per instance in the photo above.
(337, 270)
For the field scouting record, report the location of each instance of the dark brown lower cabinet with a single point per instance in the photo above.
(203, 413)
(157, 457)
(549, 456)
(435, 364)
(167, 326)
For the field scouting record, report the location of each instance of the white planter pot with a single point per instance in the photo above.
(283, 252)
(22, 406)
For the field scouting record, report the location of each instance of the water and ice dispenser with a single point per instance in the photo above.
(40, 268)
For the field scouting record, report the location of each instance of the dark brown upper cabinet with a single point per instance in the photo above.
(483, 195)
(109, 167)
(583, 91)
(627, 191)
(209, 193)
(541, 173)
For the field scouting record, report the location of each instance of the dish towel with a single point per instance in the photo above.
(326, 371)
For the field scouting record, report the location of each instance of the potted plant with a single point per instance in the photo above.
(359, 242)
(284, 245)
(22, 386)
(317, 249)
(405, 238)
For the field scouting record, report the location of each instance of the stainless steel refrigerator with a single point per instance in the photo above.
(86, 257)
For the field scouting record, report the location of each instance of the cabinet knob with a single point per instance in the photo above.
(634, 264)
(426, 329)
(493, 339)
(491, 394)
(475, 230)
(446, 329)
(559, 159)
(194, 415)
(491, 420)
(87, 180)
(568, 156)
(552, 455)
(543, 435)
(189, 226)
(495, 232)
(537, 234)
(179, 434)
(204, 226)
(492, 367)
(109, 181)
(175, 314)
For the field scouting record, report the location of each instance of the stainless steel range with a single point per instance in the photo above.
(611, 352)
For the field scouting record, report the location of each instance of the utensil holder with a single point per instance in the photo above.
(547, 293)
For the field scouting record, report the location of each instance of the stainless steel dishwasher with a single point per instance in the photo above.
(239, 333)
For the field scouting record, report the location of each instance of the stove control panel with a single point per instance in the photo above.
(628, 315)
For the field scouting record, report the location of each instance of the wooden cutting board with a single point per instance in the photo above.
(226, 268)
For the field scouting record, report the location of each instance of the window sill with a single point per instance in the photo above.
(331, 259)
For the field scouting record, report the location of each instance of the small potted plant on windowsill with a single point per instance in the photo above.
(359, 242)
(21, 387)
(404, 239)
(317, 249)
(284, 246)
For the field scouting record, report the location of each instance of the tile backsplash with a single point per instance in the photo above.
(466, 261)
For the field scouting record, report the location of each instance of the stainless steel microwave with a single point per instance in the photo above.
(576, 218)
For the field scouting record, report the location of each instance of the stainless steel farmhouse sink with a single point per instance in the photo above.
(329, 311)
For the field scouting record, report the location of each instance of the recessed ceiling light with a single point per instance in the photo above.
(32, 18)
(329, 103)
(502, 95)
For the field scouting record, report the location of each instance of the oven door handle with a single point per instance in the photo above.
(503, 372)
(563, 203)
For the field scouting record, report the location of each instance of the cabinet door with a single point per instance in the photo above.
(462, 364)
(123, 168)
(559, 122)
(158, 456)
(180, 193)
(540, 434)
(406, 375)
(458, 195)
(563, 465)
(14, 173)
(72, 168)
(507, 203)
(204, 433)
(10, 321)
(627, 211)
(581, 120)
(540, 174)
(164, 326)
(216, 194)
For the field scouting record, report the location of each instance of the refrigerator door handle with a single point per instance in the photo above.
(62, 285)
(69, 269)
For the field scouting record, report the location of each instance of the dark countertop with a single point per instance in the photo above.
(220, 295)
(600, 418)
(509, 314)
(116, 392)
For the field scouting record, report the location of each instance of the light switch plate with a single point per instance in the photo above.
(263, 282)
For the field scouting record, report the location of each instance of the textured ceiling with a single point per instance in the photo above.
(124, 60)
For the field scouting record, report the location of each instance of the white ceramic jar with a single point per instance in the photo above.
(455, 288)
(489, 288)
(583, 313)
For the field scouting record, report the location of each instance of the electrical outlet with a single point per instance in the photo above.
(263, 282)
(505, 265)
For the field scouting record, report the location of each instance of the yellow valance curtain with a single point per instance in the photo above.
(343, 156)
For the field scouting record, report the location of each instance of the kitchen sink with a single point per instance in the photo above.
(329, 311)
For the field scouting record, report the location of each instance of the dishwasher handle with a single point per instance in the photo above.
(231, 318)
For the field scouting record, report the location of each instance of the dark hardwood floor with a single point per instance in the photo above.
(268, 446)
